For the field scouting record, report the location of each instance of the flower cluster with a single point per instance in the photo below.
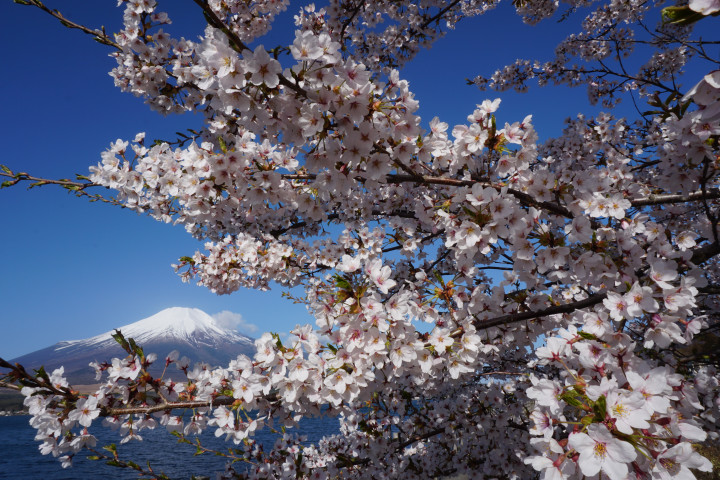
(484, 303)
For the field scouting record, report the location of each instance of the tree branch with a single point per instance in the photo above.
(10, 386)
(99, 34)
(700, 255)
(25, 177)
(161, 407)
(671, 198)
(238, 44)
(554, 310)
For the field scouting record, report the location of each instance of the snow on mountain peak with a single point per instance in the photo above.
(192, 332)
(175, 323)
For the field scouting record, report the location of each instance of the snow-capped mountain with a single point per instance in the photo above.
(192, 332)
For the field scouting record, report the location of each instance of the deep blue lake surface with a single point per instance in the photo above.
(21, 459)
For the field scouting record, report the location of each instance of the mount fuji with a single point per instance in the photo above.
(192, 332)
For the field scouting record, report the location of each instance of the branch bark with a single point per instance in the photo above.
(161, 407)
(671, 198)
(700, 255)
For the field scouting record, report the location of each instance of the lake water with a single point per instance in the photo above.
(20, 458)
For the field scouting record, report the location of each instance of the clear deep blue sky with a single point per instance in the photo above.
(72, 269)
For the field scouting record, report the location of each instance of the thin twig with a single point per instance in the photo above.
(99, 34)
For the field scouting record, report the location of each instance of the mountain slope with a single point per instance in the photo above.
(192, 332)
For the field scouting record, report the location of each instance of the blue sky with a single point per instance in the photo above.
(72, 269)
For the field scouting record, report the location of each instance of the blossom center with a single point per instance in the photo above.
(600, 450)
(670, 465)
(619, 410)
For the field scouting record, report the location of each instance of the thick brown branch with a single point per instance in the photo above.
(352, 461)
(710, 289)
(528, 199)
(334, 216)
(705, 253)
(422, 240)
(9, 386)
(665, 199)
(523, 197)
(350, 18)
(238, 44)
(700, 255)
(216, 22)
(111, 412)
(554, 310)
(452, 182)
(439, 15)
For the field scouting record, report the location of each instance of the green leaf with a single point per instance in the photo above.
(680, 15)
(600, 408)
(40, 372)
(119, 338)
(136, 349)
(342, 282)
(468, 212)
(7, 183)
(161, 476)
(569, 397)
(587, 336)
(111, 448)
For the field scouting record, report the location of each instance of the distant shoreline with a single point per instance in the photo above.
(11, 402)
(14, 413)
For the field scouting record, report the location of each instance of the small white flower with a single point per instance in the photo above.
(628, 410)
(380, 275)
(599, 450)
(85, 411)
(674, 463)
(705, 7)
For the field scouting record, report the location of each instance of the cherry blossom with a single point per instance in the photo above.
(600, 451)
(485, 303)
